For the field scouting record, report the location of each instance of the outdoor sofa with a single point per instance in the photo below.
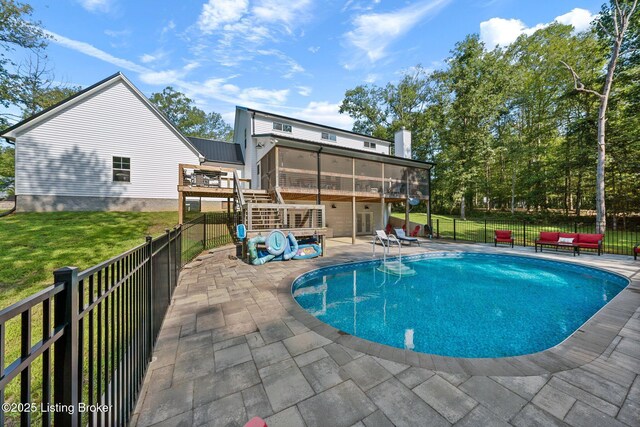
(502, 236)
(576, 241)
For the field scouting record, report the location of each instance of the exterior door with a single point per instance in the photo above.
(364, 223)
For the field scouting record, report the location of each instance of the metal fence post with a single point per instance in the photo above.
(575, 226)
(454, 229)
(485, 231)
(168, 231)
(149, 286)
(65, 368)
(524, 233)
(204, 232)
(437, 228)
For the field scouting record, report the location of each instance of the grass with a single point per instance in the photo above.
(617, 242)
(33, 245)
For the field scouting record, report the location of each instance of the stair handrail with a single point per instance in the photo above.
(236, 183)
(279, 198)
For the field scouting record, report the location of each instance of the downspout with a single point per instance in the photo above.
(318, 198)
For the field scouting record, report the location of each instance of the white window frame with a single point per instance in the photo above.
(115, 169)
(328, 136)
(282, 127)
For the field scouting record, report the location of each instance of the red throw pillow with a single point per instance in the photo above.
(590, 238)
(549, 236)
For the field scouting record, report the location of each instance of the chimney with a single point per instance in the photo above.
(402, 139)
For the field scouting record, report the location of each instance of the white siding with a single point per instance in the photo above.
(70, 154)
(264, 124)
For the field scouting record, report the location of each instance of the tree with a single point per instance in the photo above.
(38, 89)
(191, 120)
(7, 171)
(16, 31)
(613, 24)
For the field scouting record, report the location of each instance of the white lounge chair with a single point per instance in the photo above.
(385, 238)
(400, 234)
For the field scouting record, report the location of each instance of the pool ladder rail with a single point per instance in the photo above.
(393, 267)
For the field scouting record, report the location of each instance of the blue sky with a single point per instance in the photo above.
(292, 57)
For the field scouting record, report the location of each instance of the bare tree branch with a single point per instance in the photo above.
(577, 83)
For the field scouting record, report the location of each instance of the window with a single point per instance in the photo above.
(121, 169)
(371, 145)
(281, 127)
(328, 136)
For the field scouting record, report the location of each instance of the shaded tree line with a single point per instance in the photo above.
(510, 129)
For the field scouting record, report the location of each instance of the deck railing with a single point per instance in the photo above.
(96, 331)
(267, 216)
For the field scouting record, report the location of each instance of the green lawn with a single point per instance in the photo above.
(618, 242)
(32, 245)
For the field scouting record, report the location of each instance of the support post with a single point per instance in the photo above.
(383, 211)
(429, 200)
(180, 207)
(353, 220)
(65, 370)
(406, 215)
(318, 196)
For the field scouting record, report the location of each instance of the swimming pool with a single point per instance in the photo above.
(459, 304)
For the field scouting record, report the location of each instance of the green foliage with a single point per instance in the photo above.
(191, 120)
(7, 169)
(17, 31)
(508, 131)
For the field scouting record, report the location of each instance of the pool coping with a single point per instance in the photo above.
(585, 344)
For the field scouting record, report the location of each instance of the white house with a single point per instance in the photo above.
(105, 148)
(109, 148)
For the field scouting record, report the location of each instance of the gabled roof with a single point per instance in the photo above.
(12, 132)
(291, 119)
(218, 151)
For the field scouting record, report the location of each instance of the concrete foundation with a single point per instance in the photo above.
(29, 203)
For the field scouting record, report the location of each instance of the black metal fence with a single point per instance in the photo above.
(619, 241)
(97, 331)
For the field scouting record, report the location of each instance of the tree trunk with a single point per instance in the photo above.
(462, 207)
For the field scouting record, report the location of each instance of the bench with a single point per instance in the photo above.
(580, 241)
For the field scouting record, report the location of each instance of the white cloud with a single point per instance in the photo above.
(170, 26)
(304, 90)
(216, 13)
(96, 5)
(580, 19)
(291, 67)
(231, 31)
(313, 49)
(261, 94)
(374, 32)
(325, 113)
(161, 78)
(93, 51)
(371, 78)
(503, 32)
(158, 55)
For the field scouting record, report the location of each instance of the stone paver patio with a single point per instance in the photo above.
(234, 345)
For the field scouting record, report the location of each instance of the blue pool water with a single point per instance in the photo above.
(459, 305)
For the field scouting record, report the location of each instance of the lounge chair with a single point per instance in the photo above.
(636, 251)
(385, 238)
(389, 229)
(415, 231)
(400, 234)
